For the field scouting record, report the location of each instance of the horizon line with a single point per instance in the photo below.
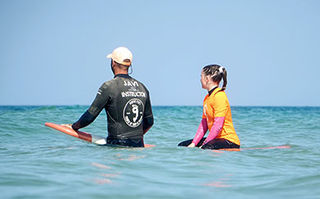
(1, 105)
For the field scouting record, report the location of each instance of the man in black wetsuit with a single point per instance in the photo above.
(126, 102)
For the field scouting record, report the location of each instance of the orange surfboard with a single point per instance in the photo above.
(254, 148)
(98, 140)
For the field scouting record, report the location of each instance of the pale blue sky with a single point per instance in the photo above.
(53, 52)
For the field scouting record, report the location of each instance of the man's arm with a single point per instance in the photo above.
(148, 116)
(94, 110)
(86, 119)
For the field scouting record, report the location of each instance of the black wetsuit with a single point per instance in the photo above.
(218, 143)
(128, 108)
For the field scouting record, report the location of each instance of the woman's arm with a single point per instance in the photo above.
(202, 129)
(215, 130)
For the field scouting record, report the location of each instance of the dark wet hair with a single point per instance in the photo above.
(123, 67)
(217, 73)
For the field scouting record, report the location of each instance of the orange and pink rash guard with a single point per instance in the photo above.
(203, 127)
(216, 117)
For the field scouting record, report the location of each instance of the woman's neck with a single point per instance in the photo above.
(212, 86)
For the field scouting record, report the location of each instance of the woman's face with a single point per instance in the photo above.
(204, 80)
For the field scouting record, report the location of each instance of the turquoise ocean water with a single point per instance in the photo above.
(38, 162)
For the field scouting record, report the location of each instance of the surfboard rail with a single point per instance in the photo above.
(254, 148)
(78, 134)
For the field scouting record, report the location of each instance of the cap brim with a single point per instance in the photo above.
(109, 56)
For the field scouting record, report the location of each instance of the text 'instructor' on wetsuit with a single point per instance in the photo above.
(126, 102)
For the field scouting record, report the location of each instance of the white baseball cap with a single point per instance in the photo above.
(121, 55)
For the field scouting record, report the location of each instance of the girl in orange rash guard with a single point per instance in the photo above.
(216, 113)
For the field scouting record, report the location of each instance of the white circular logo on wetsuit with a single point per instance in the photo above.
(133, 112)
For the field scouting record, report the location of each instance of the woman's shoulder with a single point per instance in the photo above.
(220, 95)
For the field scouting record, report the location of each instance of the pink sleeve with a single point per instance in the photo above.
(202, 129)
(215, 130)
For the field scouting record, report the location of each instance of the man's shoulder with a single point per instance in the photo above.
(108, 84)
(143, 86)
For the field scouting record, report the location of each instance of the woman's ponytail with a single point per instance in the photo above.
(224, 73)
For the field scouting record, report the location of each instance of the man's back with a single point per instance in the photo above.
(127, 104)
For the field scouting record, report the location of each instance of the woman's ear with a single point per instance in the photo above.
(207, 78)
